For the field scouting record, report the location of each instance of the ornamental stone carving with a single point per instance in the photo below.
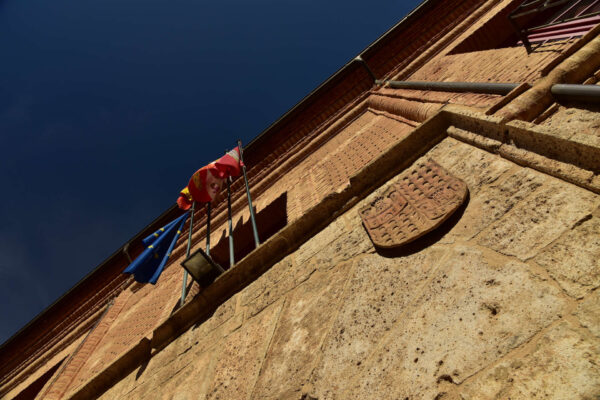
(423, 198)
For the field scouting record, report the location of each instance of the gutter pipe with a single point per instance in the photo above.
(583, 93)
(570, 92)
(456, 87)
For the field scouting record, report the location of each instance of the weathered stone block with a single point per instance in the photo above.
(476, 167)
(242, 355)
(350, 243)
(375, 298)
(574, 259)
(588, 313)
(494, 200)
(475, 309)
(303, 322)
(274, 284)
(562, 365)
(192, 382)
(320, 241)
(540, 219)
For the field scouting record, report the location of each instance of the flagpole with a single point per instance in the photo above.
(252, 216)
(231, 250)
(187, 254)
(208, 228)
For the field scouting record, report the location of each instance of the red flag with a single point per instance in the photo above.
(185, 199)
(230, 163)
(206, 183)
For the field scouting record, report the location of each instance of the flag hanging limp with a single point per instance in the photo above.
(230, 163)
(206, 183)
(148, 266)
(185, 199)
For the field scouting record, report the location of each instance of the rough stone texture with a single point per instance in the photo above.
(304, 321)
(495, 200)
(189, 361)
(274, 284)
(375, 298)
(563, 364)
(476, 309)
(495, 185)
(588, 313)
(573, 260)
(540, 219)
(576, 120)
(242, 355)
(476, 167)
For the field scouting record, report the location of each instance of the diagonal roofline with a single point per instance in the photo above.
(269, 132)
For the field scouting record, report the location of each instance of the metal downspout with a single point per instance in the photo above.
(457, 87)
(570, 92)
(582, 93)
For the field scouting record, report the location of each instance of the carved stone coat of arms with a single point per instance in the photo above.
(423, 198)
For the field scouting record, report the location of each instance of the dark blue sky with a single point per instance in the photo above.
(108, 106)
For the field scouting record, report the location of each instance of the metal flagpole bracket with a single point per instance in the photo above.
(208, 228)
(252, 216)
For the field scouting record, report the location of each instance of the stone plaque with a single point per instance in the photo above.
(423, 198)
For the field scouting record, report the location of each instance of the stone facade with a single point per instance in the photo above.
(499, 302)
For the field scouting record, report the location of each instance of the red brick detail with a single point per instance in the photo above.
(354, 147)
(510, 64)
(80, 357)
(143, 311)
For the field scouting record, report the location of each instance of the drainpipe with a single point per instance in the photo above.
(456, 87)
(569, 92)
(583, 93)
(366, 66)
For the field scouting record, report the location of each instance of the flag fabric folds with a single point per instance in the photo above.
(206, 183)
(148, 266)
(185, 199)
(230, 163)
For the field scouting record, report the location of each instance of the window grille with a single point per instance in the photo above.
(539, 21)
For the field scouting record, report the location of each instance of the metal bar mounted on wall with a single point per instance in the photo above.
(187, 254)
(582, 93)
(231, 249)
(208, 228)
(252, 216)
(456, 87)
(570, 92)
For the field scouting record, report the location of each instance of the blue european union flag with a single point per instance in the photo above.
(148, 266)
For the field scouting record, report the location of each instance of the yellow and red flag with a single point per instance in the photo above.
(185, 199)
(206, 183)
